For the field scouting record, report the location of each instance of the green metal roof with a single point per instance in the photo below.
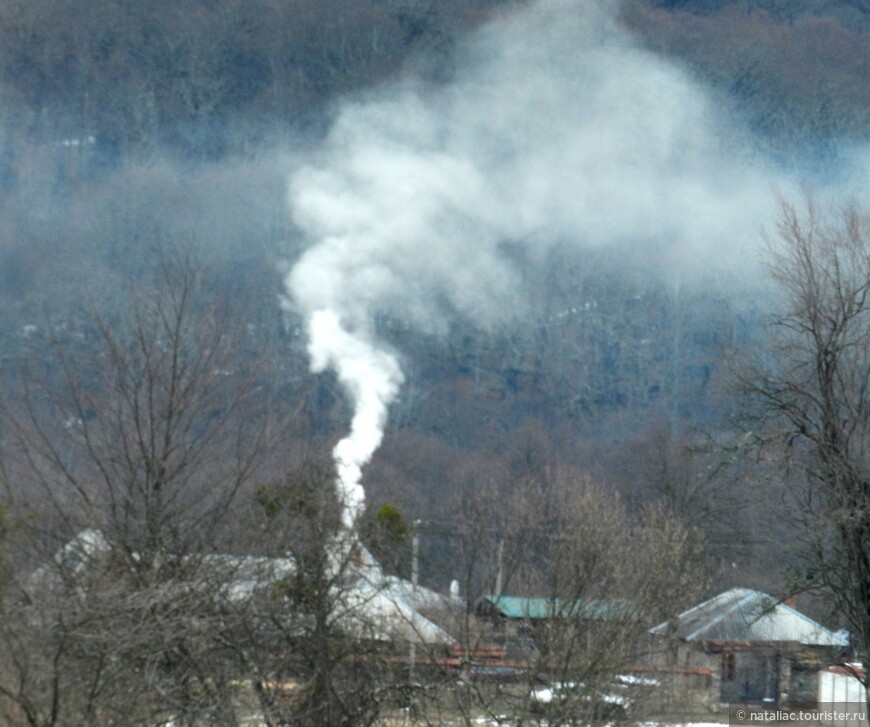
(540, 607)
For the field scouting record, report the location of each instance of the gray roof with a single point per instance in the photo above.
(368, 602)
(743, 614)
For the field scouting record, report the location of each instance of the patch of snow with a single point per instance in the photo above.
(634, 680)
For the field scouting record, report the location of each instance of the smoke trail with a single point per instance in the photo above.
(372, 379)
(557, 129)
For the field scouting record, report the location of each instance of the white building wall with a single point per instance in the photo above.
(844, 695)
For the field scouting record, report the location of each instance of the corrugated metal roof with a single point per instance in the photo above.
(743, 614)
(540, 607)
(368, 602)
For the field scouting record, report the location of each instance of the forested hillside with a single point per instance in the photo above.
(203, 79)
(795, 69)
(128, 129)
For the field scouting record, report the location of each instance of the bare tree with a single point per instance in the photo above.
(589, 578)
(607, 574)
(137, 433)
(319, 632)
(813, 398)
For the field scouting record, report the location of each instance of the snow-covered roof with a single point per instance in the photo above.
(743, 614)
(368, 603)
(388, 607)
(380, 612)
(78, 552)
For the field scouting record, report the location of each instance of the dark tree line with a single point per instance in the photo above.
(205, 78)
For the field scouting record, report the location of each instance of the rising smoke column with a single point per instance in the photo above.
(371, 377)
(557, 129)
(391, 225)
(391, 222)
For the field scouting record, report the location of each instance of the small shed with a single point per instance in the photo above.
(519, 617)
(542, 608)
(758, 648)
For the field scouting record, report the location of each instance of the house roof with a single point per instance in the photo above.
(367, 603)
(743, 614)
(542, 607)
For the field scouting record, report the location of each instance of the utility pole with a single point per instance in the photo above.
(499, 573)
(415, 553)
(416, 527)
(415, 577)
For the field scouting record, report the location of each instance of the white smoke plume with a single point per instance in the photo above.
(557, 128)
(372, 379)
